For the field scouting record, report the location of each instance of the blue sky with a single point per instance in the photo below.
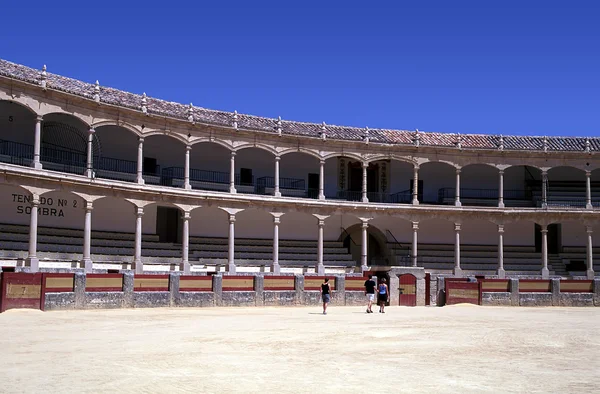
(498, 67)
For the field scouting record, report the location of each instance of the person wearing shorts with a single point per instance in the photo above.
(383, 295)
(325, 294)
(370, 292)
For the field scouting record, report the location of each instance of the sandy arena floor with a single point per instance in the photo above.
(455, 349)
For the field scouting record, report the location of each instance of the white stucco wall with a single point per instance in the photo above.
(209, 222)
(573, 234)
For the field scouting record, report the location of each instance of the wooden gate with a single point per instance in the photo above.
(22, 290)
(408, 290)
(463, 292)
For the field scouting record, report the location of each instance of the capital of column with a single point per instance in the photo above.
(365, 224)
(276, 220)
(544, 173)
(188, 148)
(457, 226)
(89, 205)
(415, 226)
(501, 172)
(589, 229)
(139, 212)
(500, 228)
(186, 216)
(588, 173)
(457, 171)
(35, 200)
(231, 218)
(365, 164)
(141, 139)
(544, 231)
(277, 158)
(233, 153)
(321, 222)
(416, 168)
(39, 118)
(322, 162)
(91, 130)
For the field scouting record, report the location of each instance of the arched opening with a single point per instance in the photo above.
(573, 253)
(436, 244)
(256, 168)
(398, 235)
(164, 160)
(117, 158)
(396, 178)
(64, 143)
(595, 187)
(376, 245)
(439, 182)
(17, 131)
(566, 187)
(210, 167)
(520, 254)
(343, 178)
(479, 185)
(299, 175)
(479, 245)
(522, 186)
(209, 231)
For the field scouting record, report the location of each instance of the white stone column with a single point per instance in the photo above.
(364, 182)
(501, 189)
(140, 161)
(544, 189)
(276, 192)
(232, 174)
(364, 247)
(137, 258)
(186, 169)
(275, 267)
(321, 179)
(457, 269)
(588, 190)
(37, 144)
(415, 193)
(185, 244)
(231, 251)
(501, 273)
(320, 265)
(590, 253)
(90, 153)
(545, 271)
(415, 227)
(457, 192)
(32, 260)
(87, 238)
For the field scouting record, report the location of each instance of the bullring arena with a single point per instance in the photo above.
(112, 200)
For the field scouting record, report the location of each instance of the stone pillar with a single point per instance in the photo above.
(32, 260)
(186, 169)
(555, 289)
(457, 269)
(217, 288)
(589, 254)
(415, 227)
(128, 284)
(299, 288)
(415, 193)
(394, 288)
(513, 288)
(588, 190)
(174, 289)
(320, 266)
(140, 161)
(79, 290)
(340, 290)
(501, 189)
(87, 237)
(276, 192)
(275, 267)
(37, 144)
(364, 247)
(364, 182)
(419, 291)
(596, 291)
(457, 192)
(185, 244)
(501, 273)
(321, 179)
(231, 250)
(232, 174)
(90, 153)
(545, 271)
(259, 290)
(544, 189)
(137, 258)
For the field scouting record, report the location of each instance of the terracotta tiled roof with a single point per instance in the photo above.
(249, 122)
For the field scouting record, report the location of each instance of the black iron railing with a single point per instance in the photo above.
(482, 194)
(284, 183)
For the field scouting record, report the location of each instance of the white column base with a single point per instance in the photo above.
(589, 206)
(365, 199)
(140, 181)
(185, 267)
(33, 263)
(187, 186)
(89, 173)
(545, 273)
(232, 190)
(458, 272)
(320, 269)
(275, 268)
(544, 205)
(590, 274)
(231, 268)
(37, 165)
(457, 204)
(277, 194)
(321, 196)
(501, 273)
(364, 268)
(88, 265)
(415, 202)
(138, 266)
(500, 205)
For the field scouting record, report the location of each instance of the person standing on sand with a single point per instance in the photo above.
(370, 292)
(383, 295)
(325, 294)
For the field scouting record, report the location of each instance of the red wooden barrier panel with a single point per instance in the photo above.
(195, 283)
(104, 282)
(314, 282)
(576, 286)
(151, 283)
(22, 290)
(534, 286)
(463, 292)
(279, 283)
(238, 283)
(494, 286)
(59, 283)
(353, 283)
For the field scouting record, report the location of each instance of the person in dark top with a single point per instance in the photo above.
(370, 292)
(383, 295)
(325, 294)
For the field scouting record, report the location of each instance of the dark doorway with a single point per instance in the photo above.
(168, 224)
(313, 185)
(355, 184)
(150, 166)
(246, 178)
(554, 244)
(419, 191)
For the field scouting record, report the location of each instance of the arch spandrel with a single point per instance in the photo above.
(175, 136)
(127, 126)
(208, 140)
(311, 152)
(264, 147)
